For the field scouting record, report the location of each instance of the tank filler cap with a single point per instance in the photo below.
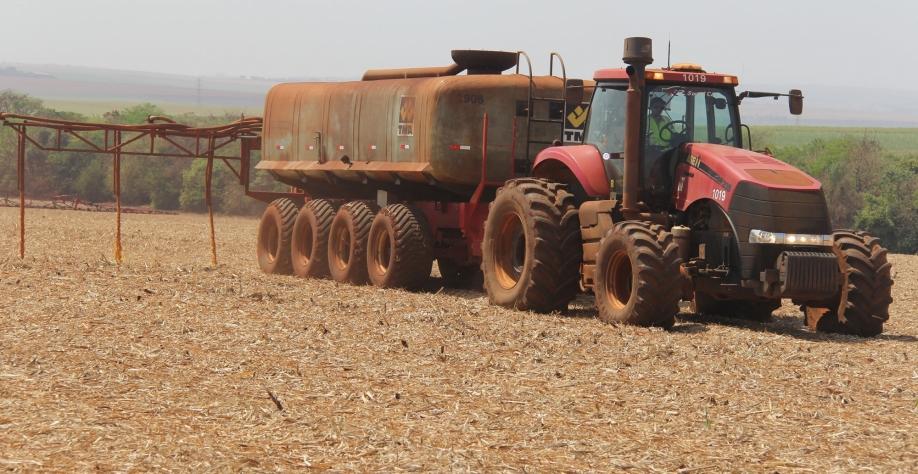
(482, 61)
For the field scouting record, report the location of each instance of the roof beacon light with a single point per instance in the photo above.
(687, 67)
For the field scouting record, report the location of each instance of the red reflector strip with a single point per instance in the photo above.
(405, 147)
(460, 147)
(372, 147)
(280, 147)
(340, 147)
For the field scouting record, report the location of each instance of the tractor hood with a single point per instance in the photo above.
(735, 165)
(708, 171)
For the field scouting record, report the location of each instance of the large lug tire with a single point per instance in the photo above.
(309, 245)
(862, 304)
(347, 243)
(531, 250)
(753, 310)
(637, 275)
(400, 248)
(274, 235)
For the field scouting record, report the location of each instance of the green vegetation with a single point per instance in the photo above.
(870, 175)
(867, 187)
(898, 141)
(99, 108)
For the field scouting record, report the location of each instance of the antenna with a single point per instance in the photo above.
(669, 49)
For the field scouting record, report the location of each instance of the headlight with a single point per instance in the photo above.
(764, 237)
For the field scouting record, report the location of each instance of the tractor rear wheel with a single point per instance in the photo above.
(862, 304)
(400, 250)
(274, 234)
(531, 250)
(347, 243)
(637, 275)
(753, 310)
(309, 246)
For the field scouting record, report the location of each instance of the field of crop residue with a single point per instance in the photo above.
(166, 364)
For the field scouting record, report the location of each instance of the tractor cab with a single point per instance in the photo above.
(682, 104)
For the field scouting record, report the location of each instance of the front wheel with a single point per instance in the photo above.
(862, 303)
(637, 275)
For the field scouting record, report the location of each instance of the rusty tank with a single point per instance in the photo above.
(417, 131)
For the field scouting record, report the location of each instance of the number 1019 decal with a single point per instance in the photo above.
(719, 194)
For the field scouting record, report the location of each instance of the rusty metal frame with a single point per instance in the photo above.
(207, 142)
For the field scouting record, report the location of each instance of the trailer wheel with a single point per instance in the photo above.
(400, 249)
(531, 250)
(637, 275)
(862, 304)
(274, 233)
(753, 310)
(347, 243)
(309, 245)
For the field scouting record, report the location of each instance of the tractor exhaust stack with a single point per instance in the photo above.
(637, 55)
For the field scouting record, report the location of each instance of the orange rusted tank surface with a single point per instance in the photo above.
(411, 133)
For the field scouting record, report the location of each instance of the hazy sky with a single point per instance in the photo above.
(776, 42)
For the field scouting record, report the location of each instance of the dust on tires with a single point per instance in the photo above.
(862, 304)
(637, 275)
(347, 243)
(274, 235)
(400, 248)
(531, 250)
(309, 244)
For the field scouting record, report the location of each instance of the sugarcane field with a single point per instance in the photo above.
(356, 237)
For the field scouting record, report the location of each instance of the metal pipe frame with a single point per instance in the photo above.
(207, 141)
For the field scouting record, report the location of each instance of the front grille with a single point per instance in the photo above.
(774, 210)
(808, 274)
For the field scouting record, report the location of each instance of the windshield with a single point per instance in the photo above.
(606, 128)
(677, 114)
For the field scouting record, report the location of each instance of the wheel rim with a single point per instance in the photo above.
(382, 252)
(269, 238)
(304, 244)
(510, 251)
(341, 247)
(618, 280)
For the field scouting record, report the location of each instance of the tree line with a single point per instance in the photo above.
(173, 184)
(866, 187)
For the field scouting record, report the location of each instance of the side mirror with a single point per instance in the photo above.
(720, 103)
(795, 101)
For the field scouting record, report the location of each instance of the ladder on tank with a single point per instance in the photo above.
(557, 108)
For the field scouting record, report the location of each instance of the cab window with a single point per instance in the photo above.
(606, 128)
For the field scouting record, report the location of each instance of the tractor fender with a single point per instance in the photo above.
(581, 163)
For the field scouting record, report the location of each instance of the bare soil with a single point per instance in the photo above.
(166, 364)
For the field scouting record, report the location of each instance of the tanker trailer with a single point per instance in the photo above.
(421, 150)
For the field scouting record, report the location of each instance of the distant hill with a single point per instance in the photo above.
(91, 90)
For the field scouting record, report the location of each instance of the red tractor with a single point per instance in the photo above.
(646, 196)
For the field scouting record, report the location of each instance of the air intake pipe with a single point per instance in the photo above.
(472, 60)
(638, 54)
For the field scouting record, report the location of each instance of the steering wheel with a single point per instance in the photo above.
(671, 128)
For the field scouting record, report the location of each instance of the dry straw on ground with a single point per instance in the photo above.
(167, 364)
